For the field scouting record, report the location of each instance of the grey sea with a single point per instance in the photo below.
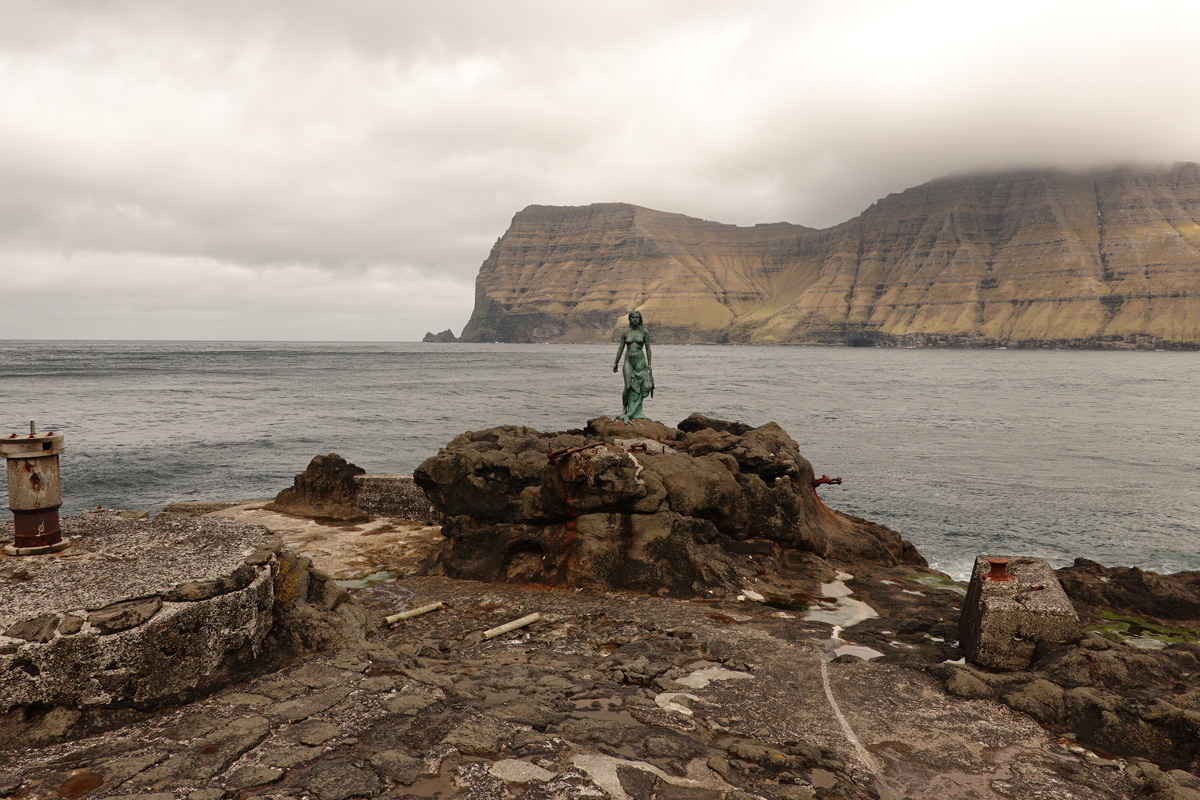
(1052, 453)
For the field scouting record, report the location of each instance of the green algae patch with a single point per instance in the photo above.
(797, 602)
(1136, 631)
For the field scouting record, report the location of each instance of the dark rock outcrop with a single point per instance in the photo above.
(697, 422)
(1134, 592)
(637, 506)
(1115, 698)
(1105, 259)
(445, 336)
(326, 489)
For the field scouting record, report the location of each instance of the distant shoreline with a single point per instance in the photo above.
(904, 345)
(1024, 345)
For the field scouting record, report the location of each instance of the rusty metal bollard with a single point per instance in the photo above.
(999, 571)
(34, 491)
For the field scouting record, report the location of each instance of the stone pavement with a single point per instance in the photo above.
(609, 695)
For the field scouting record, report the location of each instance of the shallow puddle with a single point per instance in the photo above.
(857, 650)
(698, 679)
(1145, 642)
(366, 580)
(597, 703)
(823, 779)
(839, 609)
(606, 708)
(441, 785)
(602, 771)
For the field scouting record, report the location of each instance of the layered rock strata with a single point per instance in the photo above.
(1038, 258)
(1118, 699)
(609, 695)
(624, 694)
(638, 506)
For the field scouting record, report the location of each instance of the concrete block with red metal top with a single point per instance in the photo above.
(34, 491)
(1013, 604)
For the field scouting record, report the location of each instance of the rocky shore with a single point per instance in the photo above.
(748, 659)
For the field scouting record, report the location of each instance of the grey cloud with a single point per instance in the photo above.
(271, 136)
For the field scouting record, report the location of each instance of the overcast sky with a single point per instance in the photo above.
(299, 170)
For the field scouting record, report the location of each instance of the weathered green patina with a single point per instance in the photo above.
(639, 380)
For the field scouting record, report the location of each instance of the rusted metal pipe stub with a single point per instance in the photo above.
(34, 491)
(36, 528)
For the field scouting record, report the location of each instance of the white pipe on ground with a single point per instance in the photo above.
(413, 612)
(511, 626)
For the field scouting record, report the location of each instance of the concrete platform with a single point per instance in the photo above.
(133, 611)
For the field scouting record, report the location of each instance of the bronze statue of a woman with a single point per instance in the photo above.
(639, 380)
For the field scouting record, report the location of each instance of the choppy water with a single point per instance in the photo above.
(1058, 454)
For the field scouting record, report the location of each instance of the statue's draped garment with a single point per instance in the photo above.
(639, 380)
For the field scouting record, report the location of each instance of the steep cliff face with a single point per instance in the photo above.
(1024, 259)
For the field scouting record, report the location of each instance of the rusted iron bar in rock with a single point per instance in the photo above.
(511, 626)
(413, 612)
(566, 451)
(34, 491)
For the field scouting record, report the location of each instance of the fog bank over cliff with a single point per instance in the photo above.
(1109, 258)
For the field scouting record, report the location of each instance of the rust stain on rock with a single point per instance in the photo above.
(79, 784)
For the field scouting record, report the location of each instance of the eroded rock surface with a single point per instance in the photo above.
(394, 496)
(639, 506)
(611, 695)
(1131, 591)
(1113, 697)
